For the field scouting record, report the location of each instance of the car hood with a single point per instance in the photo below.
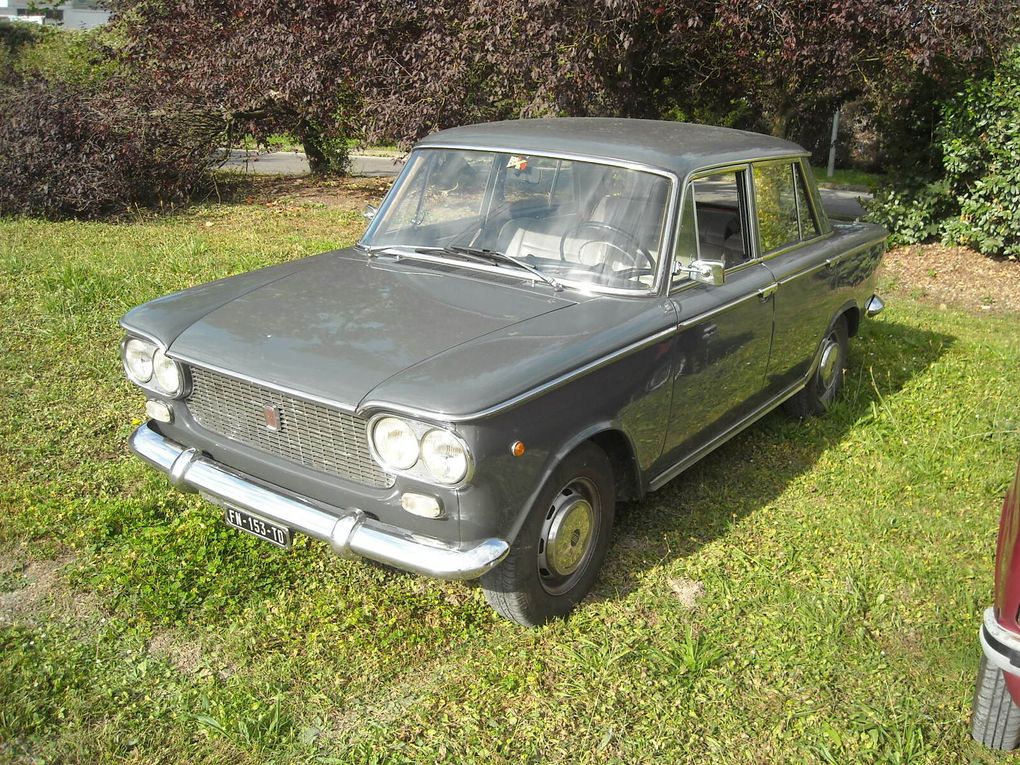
(344, 323)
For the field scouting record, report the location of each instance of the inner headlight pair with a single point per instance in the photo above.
(401, 446)
(148, 365)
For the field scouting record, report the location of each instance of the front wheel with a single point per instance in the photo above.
(827, 381)
(558, 552)
(995, 719)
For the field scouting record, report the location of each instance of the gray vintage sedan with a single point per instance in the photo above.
(544, 317)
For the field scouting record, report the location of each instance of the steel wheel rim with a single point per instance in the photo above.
(829, 366)
(569, 532)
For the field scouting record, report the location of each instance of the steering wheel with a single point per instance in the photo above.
(630, 255)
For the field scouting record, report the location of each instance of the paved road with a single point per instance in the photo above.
(843, 204)
(839, 204)
(294, 163)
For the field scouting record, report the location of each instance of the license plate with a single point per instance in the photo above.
(257, 527)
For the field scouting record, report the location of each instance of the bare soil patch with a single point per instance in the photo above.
(953, 276)
(687, 591)
(272, 190)
(27, 603)
(184, 655)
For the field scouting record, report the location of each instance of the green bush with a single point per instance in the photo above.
(83, 138)
(974, 197)
(74, 57)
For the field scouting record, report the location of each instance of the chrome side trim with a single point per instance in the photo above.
(676, 469)
(184, 358)
(348, 530)
(828, 261)
(717, 310)
(144, 335)
(874, 306)
(447, 417)
(796, 246)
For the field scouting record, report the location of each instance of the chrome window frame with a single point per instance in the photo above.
(786, 246)
(749, 208)
(667, 236)
(825, 232)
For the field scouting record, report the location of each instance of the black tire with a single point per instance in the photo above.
(556, 557)
(995, 719)
(827, 381)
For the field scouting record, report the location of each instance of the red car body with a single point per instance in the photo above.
(996, 712)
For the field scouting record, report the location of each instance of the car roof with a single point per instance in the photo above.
(677, 147)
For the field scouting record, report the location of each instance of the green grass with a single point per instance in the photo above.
(844, 563)
(848, 178)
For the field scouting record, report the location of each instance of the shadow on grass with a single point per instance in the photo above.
(755, 467)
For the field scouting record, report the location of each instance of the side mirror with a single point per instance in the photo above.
(369, 212)
(705, 271)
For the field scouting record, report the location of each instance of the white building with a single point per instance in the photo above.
(76, 14)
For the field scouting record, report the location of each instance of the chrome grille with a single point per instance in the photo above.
(316, 436)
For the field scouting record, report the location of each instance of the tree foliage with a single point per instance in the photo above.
(389, 68)
(74, 152)
(83, 138)
(973, 196)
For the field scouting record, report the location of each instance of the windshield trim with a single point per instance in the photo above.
(409, 252)
(667, 237)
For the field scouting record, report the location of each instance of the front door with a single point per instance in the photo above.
(722, 350)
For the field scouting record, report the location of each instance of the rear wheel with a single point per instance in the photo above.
(827, 381)
(557, 555)
(995, 719)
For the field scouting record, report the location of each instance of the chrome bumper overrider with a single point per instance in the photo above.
(349, 531)
(874, 306)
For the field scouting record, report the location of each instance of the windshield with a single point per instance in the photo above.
(578, 222)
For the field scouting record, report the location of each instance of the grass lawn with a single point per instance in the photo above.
(847, 178)
(811, 592)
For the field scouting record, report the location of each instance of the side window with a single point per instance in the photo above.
(721, 217)
(775, 196)
(808, 224)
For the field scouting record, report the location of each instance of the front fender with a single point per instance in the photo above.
(630, 397)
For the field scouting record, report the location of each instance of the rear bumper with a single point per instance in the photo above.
(874, 306)
(1001, 646)
(348, 530)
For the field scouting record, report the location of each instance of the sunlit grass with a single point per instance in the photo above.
(808, 593)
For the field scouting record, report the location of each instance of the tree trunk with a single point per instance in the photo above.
(779, 124)
(317, 161)
(779, 114)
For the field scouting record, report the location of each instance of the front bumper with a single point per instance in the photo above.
(1001, 646)
(348, 530)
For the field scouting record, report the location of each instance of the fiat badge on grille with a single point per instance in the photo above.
(272, 418)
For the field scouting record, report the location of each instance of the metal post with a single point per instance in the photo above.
(832, 143)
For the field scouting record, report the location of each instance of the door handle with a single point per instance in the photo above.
(766, 292)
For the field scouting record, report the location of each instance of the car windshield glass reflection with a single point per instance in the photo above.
(577, 222)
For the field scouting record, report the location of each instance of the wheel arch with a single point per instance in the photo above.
(853, 319)
(618, 447)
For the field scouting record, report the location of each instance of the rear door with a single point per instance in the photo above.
(722, 350)
(792, 237)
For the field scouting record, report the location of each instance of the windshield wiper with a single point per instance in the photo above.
(480, 255)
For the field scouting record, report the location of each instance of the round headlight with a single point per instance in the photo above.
(167, 373)
(444, 455)
(395, 443)
(138, 360)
